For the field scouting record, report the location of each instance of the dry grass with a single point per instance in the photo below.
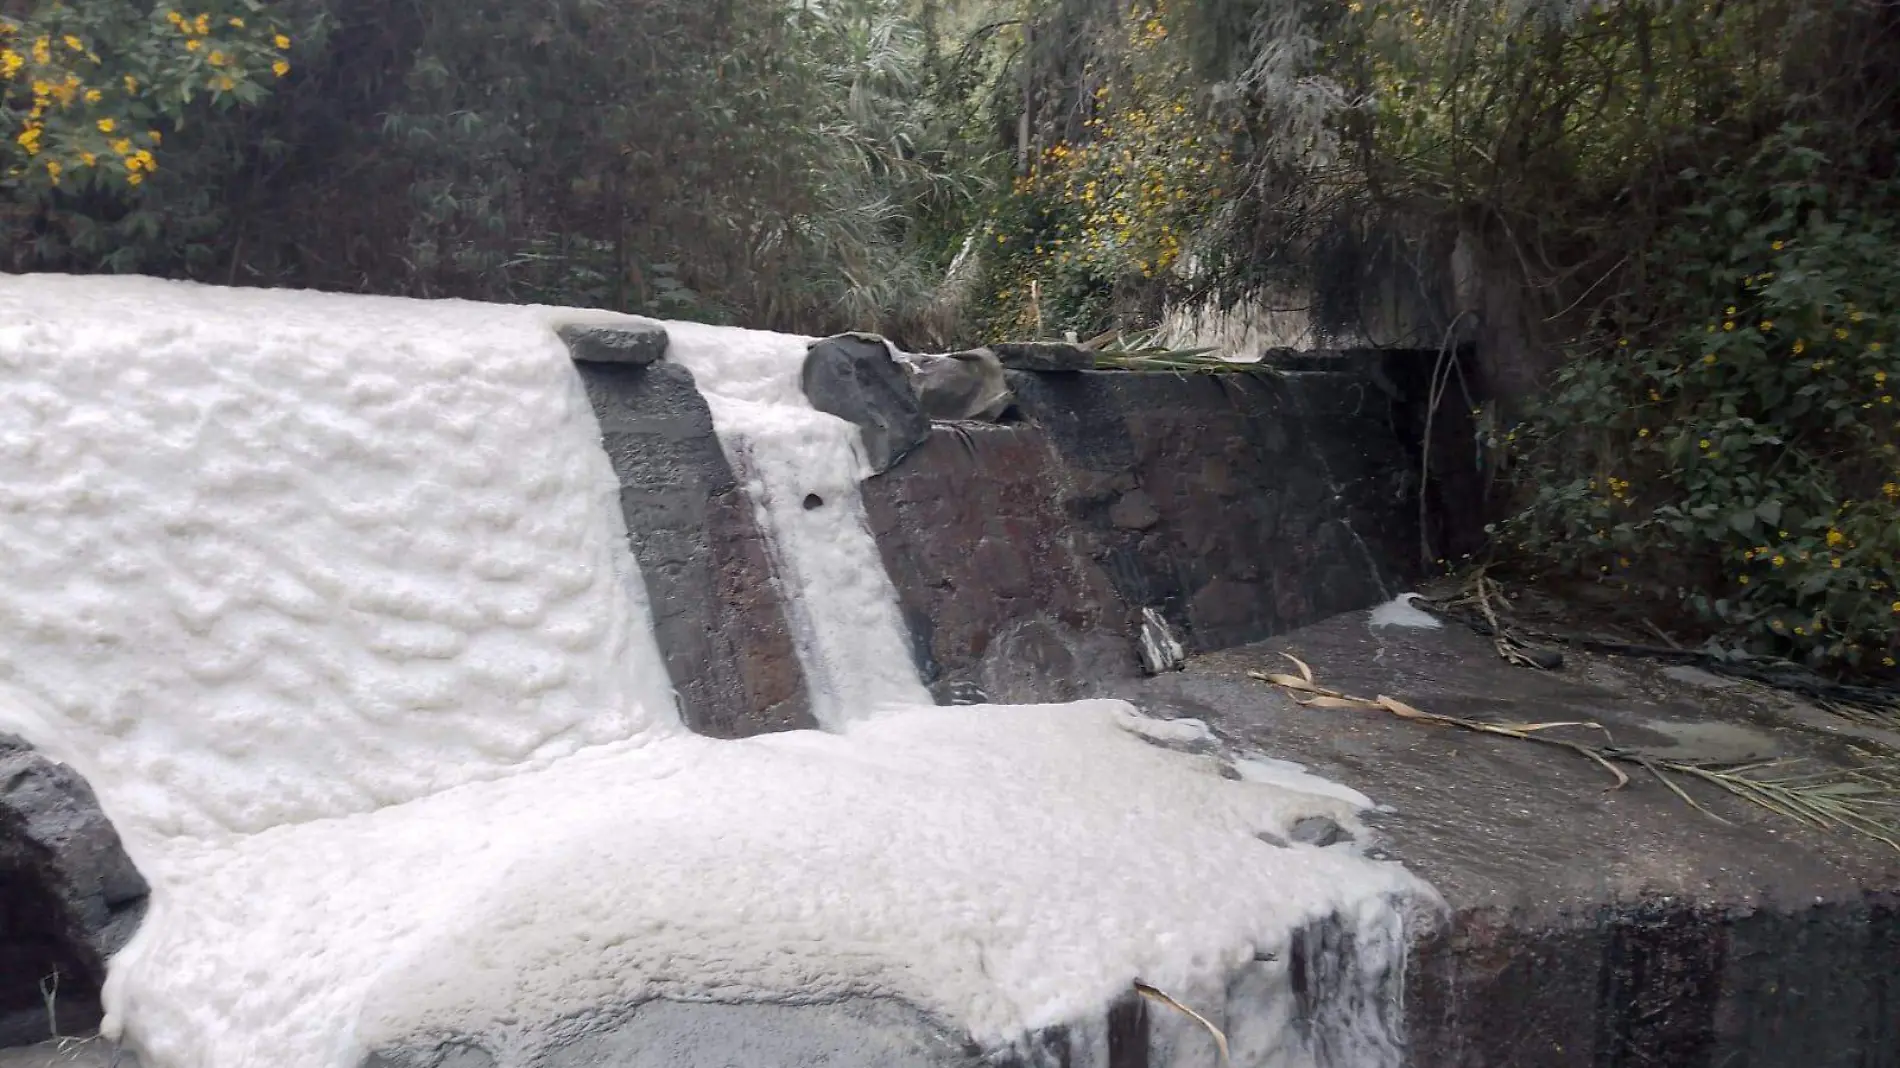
(1863, 801)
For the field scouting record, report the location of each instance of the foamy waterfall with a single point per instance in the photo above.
(329, 599)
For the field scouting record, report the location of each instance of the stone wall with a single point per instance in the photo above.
(1022, 552)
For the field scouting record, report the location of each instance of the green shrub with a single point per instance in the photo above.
(1739, 456)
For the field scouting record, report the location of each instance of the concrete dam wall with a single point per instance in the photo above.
(390, 684)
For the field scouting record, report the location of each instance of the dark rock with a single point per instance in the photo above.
(1319, 831)
(856, 378)
(638, 344)
(1044, 356)
(961, 386)
(715, 607)
(1238, 506)
(69, 897)
(959, 692)
(991, 572)
(813, 502)
(1159, 649)
(1135, 510)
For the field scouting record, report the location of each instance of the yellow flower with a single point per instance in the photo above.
(1767, 324)
(1858, 316)
(1800, 346)
(1779, 560)
(225, 84)
(280, 68)
(193, 45)
(1840, 333)
(1731, 310)
(1896, 607)
(202, 24)
(1835, 537)
(52, 170)
(216, 58)
(74, 43)
(10, 63)
(1622, 343)
(106, 125)
(1835, 563)
(134, 178)
(157, 139)
(122, 146)
(236, 23)
(131, 84)
(1777, 246)
(281, 41)
(88, 158)
(1709, 359)
(1730, 325)
(1743, 580)
(93, 96)
(1643, 433)
(1704, 443)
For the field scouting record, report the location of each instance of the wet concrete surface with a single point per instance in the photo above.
(1591, 926)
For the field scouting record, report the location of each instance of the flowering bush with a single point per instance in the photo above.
(87, 87)
(1115, 206)
(1744, 458)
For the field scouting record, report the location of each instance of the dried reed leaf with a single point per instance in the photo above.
(1220, 1040)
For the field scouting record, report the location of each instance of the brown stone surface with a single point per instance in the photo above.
(997, 586)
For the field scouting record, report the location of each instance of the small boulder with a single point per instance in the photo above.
(1044, 356)
(69, 896)
(857, 377)
(959, 692)
(1159, 649)
(961, 385)
(637, 344)
(1320, 831)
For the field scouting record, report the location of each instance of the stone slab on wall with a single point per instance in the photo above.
(1239, 506)
(716, 610)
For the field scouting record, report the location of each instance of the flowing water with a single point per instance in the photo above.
(329, 599)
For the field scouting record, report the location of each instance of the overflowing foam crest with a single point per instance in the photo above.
(842, 607)
(279, 557)
(329, 598)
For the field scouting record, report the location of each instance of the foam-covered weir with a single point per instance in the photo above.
(329, 599)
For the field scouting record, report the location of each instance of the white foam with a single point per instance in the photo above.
(1290, 776)
(1400, 612)
(842, 607)
(329, 600)
(246, 537)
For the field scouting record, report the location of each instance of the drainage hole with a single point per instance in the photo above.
(812, 500)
